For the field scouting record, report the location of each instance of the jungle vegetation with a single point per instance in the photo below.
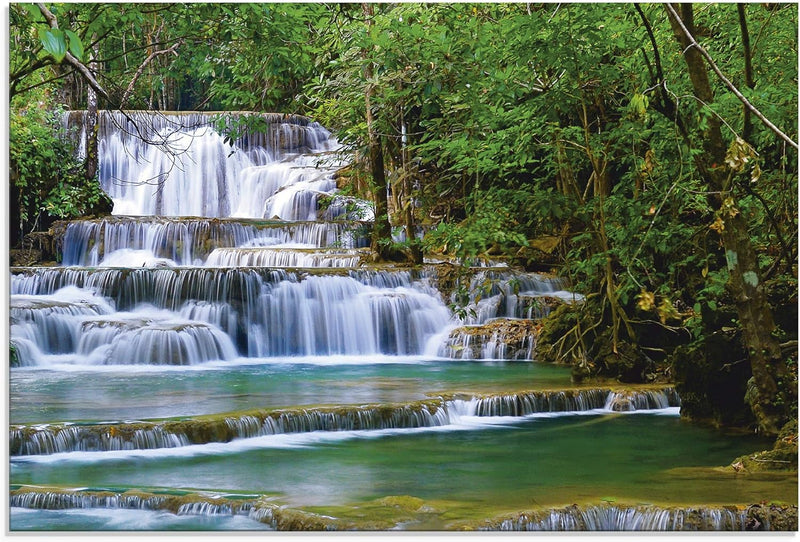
(648, 152)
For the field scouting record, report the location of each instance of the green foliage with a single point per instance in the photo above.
(508, 122)
(43, 167)
(492, 223)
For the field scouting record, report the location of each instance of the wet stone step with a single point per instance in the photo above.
(594, 518)
(609, 517)
(45, 439)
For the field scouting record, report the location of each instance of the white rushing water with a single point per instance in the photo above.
(180, 165)
(198, 219)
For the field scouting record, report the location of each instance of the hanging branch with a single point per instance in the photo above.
(77, 64)
(731, 87)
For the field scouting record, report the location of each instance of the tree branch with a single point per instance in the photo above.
(77, 64)
(726, 82)
(141, 68)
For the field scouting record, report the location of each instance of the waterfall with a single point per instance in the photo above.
(281, 257)
(63, 500)
(179, 164)
(439, 412)
(225, 312)
(235, 257)
(596, 518)
(508, 294)
(200, 216)
(629, 518)
(512, 339)
(189, 241)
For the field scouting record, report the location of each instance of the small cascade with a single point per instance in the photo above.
(58, 500)
(629, 518)
(282, 257)
(501, 293)
(56, 438)
(189, 241)
(142, 339)
(531, 402)
(190, 504)
(508, 339)
(325, 315)
(75, 321)
(626, 401)
(50, 323)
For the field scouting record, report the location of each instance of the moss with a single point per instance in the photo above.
(289, 519)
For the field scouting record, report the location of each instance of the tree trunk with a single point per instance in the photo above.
(382, 230)
(407, 201)
(91, 125)
(747, 131)
(755, 317)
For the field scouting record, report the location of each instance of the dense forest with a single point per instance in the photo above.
(646, 152)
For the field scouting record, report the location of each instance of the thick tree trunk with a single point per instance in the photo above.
(755, 317)
(382, 230)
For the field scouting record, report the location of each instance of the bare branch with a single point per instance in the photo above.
(731, 87)
(141, 68)
(77, 64)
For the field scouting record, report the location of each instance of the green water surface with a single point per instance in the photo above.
(135, 393)
(558, 460)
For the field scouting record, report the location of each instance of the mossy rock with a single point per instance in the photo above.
(782, 456)
(627, 363)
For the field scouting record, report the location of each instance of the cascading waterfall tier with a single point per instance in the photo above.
(222, 313)
(58, 438)
(190, 240)
(179, 164)
(605, 517)
(267, 312)
(503, 338)
(182, 505)
(642, 518)
(503, 293)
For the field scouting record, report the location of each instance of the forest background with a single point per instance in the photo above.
(646, 152)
